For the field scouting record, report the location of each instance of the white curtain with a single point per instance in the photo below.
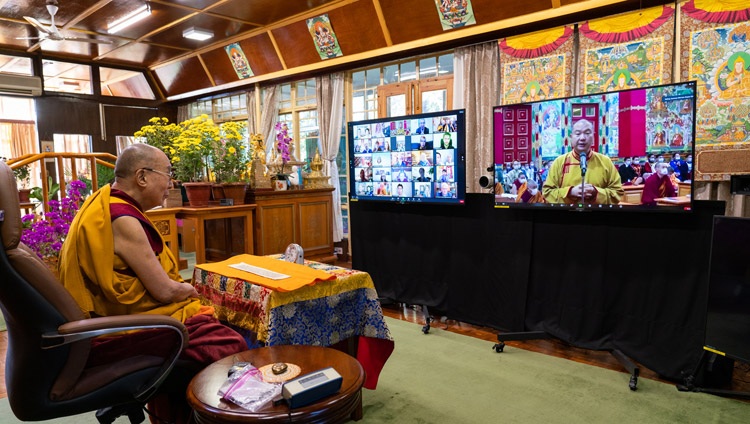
(269, 114)
(252, 125)
(478, 79)
(18, 139)
(329, 93)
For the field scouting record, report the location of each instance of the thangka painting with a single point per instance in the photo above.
(325, 39)
(536, 66)
(239, 61)
(455, 13)
(534, 79)
(626, 51)
(624, 66)
(719, 60)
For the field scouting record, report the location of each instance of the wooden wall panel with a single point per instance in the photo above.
(219, 66)
(487, 11)
(181, 77)
(61, 115)
(418, 20)
(357, 27)
(296, 44)
(261, 54)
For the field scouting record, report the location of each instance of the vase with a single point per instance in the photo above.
(280, 184)
(236, 192)
(198, 194)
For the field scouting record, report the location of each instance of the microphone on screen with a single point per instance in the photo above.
(583, 164)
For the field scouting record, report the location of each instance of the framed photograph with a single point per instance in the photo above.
(47, 146)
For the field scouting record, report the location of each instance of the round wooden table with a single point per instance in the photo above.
(208, 407)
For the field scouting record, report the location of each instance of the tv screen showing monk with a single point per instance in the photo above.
(622, 150)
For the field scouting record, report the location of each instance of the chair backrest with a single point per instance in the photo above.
(33, 303)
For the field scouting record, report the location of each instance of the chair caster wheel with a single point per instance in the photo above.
(498, 347)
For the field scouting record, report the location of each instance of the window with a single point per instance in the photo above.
(298, 109)
(122, 83)
(66, 77)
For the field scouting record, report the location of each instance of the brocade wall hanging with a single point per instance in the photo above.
(625, 51)
(715, 45)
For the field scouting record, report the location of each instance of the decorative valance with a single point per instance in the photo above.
(626, 27)
(536, 44)
(718, 11)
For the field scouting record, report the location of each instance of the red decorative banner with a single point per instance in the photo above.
(536, 44)
(626, 27)
(718, 11)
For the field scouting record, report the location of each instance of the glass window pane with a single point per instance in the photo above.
(358, 101)
(390, 74)
(427, 68)
(408, 71)
(445, 64)
(396, 105)
(358, 80)
(434, 101)
(66, 77)
(373, 77)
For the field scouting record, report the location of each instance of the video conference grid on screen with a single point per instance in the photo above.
(642, 126)
(408, 159)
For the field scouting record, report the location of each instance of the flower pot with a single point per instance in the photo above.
(217, 191)
(198, 194)
(236, 192)
(280, 184)
(23, 195)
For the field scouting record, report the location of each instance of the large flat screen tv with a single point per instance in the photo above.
(409, 159)
(728, 317)
(642, 143)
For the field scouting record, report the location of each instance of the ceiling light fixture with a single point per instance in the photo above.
(130, 19)
(199, 34)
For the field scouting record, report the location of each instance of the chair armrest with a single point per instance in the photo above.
(93, 327)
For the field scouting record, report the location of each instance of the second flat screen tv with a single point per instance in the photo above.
(631, 131)
(409, 159)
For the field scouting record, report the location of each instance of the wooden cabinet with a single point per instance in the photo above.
(304, 217)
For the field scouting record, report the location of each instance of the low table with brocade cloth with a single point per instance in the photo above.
(323, 313)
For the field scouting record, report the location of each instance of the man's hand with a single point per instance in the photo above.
(589, 192)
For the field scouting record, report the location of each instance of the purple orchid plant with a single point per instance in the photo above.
(45, 235)
(283, 141)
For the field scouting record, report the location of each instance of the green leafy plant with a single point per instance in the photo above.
(23, 175)
(230, 154)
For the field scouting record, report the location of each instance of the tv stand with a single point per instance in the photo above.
(626, 362)
(690, 386)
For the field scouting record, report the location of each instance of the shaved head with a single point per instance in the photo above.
(134, 157)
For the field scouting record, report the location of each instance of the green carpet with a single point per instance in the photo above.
(443, 377)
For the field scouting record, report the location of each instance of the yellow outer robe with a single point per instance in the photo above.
(93, 274)
(565, 173)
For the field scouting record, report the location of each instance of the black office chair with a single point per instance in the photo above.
(49, 340)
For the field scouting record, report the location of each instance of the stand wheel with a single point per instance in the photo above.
(633, 383)
(498, 347)
(426, 327)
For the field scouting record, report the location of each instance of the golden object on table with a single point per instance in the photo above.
(316, 179)
(269, 376)
(258, 178)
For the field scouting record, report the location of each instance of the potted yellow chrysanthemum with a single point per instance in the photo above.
(230, 159)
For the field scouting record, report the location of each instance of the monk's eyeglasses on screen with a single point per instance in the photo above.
(169, 175)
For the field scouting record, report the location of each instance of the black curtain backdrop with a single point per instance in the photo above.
(633, 281)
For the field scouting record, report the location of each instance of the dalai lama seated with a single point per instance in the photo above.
(114, 262)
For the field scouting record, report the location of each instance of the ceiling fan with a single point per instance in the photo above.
(51, 32)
